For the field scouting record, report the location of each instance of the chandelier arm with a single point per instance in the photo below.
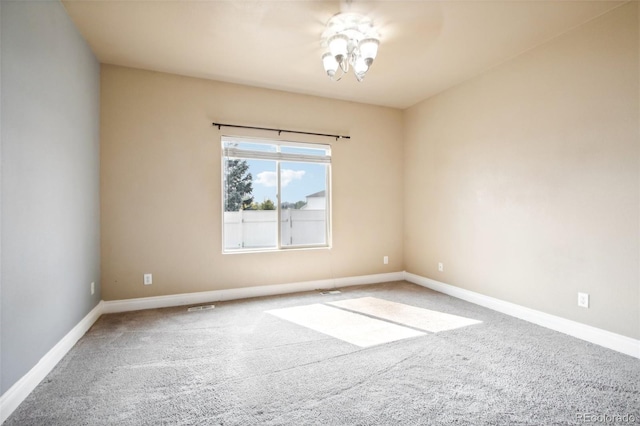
(344, 64)
(341, 75)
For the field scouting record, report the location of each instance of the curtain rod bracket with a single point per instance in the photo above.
(220, 125)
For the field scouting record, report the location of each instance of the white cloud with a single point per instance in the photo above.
(269, 180)
(286, 176)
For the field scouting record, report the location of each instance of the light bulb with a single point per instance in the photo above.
(330, 64)
(368, 49)
(360, 67)
(338, 46)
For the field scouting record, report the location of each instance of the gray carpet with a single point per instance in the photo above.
(237, 365)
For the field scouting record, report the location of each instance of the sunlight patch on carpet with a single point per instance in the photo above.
(423, 319)
(350, 327)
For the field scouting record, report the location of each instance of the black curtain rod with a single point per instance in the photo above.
(219, 125)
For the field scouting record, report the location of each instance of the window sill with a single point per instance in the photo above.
(275, 250)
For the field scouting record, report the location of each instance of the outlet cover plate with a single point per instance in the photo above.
(583, 300)
(148, 279)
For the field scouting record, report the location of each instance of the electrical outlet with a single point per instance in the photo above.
(148, 279)
(583, 300)
(440, 267)
(93, 288)
(385, 260)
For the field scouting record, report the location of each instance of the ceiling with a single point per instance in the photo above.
(426, 46)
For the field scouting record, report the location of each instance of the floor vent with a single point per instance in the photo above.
(330, 292)
(200, 308)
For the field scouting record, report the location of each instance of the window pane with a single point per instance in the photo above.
(250, 216)
(306, 151)
(250, 146)
(303, 200)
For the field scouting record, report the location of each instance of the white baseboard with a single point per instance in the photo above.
(17, 393)
(617, 342)
(113, 306)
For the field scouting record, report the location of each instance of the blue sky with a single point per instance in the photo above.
(298, 180)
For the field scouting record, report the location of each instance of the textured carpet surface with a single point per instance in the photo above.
(237, 365)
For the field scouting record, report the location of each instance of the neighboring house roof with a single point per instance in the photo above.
(317, 194)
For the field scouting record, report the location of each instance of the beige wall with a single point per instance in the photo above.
(524, 181)
(160, 185)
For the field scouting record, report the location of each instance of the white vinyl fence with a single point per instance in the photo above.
(259, 228)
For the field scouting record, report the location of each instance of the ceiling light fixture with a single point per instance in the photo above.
(352, 41)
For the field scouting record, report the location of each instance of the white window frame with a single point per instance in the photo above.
(278, 157)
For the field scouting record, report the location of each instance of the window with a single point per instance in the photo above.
(275, 194)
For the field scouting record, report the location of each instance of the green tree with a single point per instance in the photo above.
(238, 186)
(267, 205)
